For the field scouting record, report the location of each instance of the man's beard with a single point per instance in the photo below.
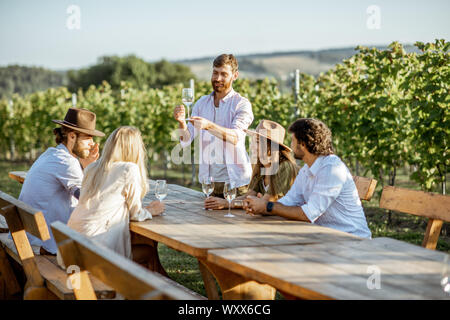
(78, 151)
(223, 86)
(299, 155)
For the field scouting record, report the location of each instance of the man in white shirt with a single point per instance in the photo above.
(323, 192)
(53, 182)
(220, 118)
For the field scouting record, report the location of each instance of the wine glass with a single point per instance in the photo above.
(229, 193)
(161, 191)
(187, 97)
(207, 186)
(445, 281)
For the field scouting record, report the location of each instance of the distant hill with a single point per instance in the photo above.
(24, 80)
(280, 64)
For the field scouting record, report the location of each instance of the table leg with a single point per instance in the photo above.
(154, 264)
(209, 282)
(237, 287)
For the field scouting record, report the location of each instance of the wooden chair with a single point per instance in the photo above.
(365, 187)
(44, 278)
(435, 207)
(126, 277)
(18, 176)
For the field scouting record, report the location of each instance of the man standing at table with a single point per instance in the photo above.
(53, 182)
(323, 192)
(221, 118)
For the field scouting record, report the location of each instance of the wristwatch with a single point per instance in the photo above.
(269, 206)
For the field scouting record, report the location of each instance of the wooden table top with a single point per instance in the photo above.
(341, 270)
(19, 176)
(189, 228)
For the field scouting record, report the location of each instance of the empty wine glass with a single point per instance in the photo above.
(229, 193)
(207, 186)
(161, 191)
(187, 97)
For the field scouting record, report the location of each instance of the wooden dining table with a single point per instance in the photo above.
(189, 228)
(380, 268)
(252, 256)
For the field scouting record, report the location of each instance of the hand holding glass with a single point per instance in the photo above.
(207, 186)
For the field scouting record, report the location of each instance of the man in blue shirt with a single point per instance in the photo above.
(53, 182)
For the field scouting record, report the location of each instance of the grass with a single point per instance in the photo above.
(184, 268)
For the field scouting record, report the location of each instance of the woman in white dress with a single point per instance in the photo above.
(112, 191)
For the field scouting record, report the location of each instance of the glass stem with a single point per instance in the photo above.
(229, 207)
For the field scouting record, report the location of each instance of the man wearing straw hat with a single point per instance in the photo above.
(53, 182)
(323, 192)
(220, 118)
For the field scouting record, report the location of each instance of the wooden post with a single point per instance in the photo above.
(74, 100)
(296, 92)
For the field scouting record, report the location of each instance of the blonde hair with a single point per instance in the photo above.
(124, 144)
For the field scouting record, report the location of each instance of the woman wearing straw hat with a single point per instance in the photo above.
(274, 168)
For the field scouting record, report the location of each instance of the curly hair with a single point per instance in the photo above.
(314, 134)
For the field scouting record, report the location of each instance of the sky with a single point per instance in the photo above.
(47, 33)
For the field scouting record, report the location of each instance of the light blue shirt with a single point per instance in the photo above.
(49, 186)
(328, 196)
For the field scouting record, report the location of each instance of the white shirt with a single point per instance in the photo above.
(328, 196)
(50, 186)
(234, 112)
(106, 217)
(219, 169)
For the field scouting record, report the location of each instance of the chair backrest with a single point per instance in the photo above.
(126, 277)
(365, 187)
(22, 218)
(435, 207)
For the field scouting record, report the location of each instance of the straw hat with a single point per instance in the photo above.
(272, 131)
(81, 120)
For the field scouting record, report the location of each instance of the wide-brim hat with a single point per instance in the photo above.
(81, 120)
(272, 131)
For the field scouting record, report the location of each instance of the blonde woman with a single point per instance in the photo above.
(112, 191)
(274, 171)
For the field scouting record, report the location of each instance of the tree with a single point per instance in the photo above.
(25, 80)
(131, 69)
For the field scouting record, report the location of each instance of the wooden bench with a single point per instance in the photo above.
(365, 187)
(126, 277)
(44, 278)
(435, 207)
